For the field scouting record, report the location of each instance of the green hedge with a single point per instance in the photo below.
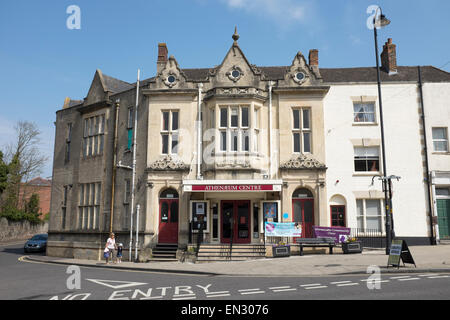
(18, 215)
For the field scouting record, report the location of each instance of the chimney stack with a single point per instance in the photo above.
(162, 57)
(313, 58)
(389, 57)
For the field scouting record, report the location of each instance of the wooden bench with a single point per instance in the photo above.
(315, 242)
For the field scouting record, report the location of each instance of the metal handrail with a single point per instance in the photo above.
(231, 238)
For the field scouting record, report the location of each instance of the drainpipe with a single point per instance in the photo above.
(133, 178)
(270, 129)
(114, 167)
(432, 238)
(199, 132)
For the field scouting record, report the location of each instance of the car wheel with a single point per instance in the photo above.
(25, 250)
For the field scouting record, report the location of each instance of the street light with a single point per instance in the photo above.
(380, 21)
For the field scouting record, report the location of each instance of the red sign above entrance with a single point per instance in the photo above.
(228, 188)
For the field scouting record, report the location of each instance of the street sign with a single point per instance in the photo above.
(399, 250)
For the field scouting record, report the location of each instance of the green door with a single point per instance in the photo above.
(443, 210)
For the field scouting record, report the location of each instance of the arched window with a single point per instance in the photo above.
(169, 194)
(302, 193)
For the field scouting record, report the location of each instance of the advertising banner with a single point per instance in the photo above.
(340, 234)
(289, 229)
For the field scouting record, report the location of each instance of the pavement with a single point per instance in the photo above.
(426, 258)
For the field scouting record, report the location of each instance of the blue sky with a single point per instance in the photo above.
(42, 61)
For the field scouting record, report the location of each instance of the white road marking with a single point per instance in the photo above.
(437, 277)
(400, 277)
(217, 292)
(185, 298)
(275, 288)
(251, 291)
(339, 282)
(407, 279)
(151, 298)
(310, 285)
(218, 295)
(348, 284)
(120, 285)
(375, 281)
(319, 287)
(282, 290)
(244, 290)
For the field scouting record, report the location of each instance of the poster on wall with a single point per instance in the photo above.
(199, 215)
(200, 208)
(270, 210)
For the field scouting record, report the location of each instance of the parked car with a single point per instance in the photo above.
(36, 244)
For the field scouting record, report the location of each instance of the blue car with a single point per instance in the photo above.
(36, 244)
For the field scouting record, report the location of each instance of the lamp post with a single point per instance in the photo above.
(380, 21)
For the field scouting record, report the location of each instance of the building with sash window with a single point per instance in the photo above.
(226, 148)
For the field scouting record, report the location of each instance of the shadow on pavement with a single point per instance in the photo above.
(19, 251)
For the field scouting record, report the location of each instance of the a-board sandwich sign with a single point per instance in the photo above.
(399, 251)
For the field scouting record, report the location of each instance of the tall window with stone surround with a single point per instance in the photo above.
(234, 128)
(93, 135)
(89, 206)
(301, 130)
(169, 131)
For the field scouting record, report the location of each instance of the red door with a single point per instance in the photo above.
(304, 214)
(168, 221)
(235, 221)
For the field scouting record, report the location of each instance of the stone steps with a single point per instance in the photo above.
(165, 252)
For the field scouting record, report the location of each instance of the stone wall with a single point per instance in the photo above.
(19, 230)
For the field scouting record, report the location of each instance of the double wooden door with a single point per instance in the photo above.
(235, 221)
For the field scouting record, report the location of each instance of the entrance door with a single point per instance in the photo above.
(304, 214)
(235, 221)
(168, 218)
(443, 211)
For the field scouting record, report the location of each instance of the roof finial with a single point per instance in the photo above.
(235, 35)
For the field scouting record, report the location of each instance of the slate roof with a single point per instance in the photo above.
(115, 85)
(329, 75)
(342, 75)
(369, 74)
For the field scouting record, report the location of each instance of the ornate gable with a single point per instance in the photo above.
(303, 162)
(168, 163)
(300, 73)
(171, 76)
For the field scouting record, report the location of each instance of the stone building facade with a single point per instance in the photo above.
(229, 147)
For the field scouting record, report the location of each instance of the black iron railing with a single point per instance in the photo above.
(370, 238)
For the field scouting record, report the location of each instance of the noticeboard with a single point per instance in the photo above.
(399, 251)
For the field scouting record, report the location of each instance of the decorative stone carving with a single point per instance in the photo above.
(168, 163)
(233, 164)
(235, 73)
(172, 75)
(303, 162)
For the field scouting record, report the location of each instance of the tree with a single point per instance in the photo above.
(3, 174)
(32, 205)
(12, 189)
(25, 148)
(25, 162)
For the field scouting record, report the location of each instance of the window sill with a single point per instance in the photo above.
(98, 156)
(366, 174)
(441, 153)
(235, 153)
(364, 124)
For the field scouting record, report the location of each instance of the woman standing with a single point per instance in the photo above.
(111, 246)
